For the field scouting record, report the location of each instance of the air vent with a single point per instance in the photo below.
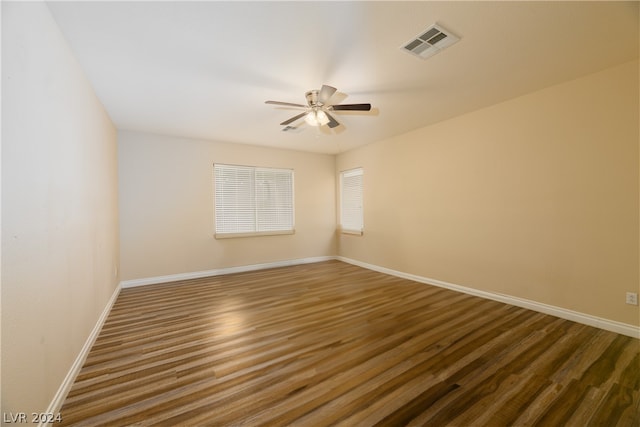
(430, 41)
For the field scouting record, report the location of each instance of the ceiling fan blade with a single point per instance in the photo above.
(288, 104)
(351, 107)
(332, 122)
(294, 118)
(326, 93)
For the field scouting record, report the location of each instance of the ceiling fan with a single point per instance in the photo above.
(318, 110)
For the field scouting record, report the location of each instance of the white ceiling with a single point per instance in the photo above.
(204, 69)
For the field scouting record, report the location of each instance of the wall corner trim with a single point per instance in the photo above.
(65, 387)
(563, 313)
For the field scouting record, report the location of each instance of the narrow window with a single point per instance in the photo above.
(252, 201)
(351, 216)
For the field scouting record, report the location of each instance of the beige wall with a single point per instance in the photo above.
(536, 197)
(59, 208)
(166, 206)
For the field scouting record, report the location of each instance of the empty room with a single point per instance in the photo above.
(358, 213)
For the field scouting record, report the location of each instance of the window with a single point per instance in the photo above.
(351, 217)
(252, 201)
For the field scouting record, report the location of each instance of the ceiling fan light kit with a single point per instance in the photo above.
(317, 110)
(316, 118)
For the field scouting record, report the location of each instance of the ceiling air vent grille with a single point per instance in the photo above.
(430, 41)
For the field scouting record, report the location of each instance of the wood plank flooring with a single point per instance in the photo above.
(334, 344)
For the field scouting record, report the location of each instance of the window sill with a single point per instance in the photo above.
(352, 232)
(253, 234)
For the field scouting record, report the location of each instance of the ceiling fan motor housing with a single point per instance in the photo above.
(312, 98)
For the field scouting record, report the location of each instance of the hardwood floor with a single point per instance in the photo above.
(334, 344)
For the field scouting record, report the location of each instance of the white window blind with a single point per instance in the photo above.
(351, 215)
(252, 200)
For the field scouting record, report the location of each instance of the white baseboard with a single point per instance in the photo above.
(563, 313)
(222, 271)
(63, 390)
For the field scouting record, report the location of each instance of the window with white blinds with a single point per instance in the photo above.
(252, 200)
(351, 215)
